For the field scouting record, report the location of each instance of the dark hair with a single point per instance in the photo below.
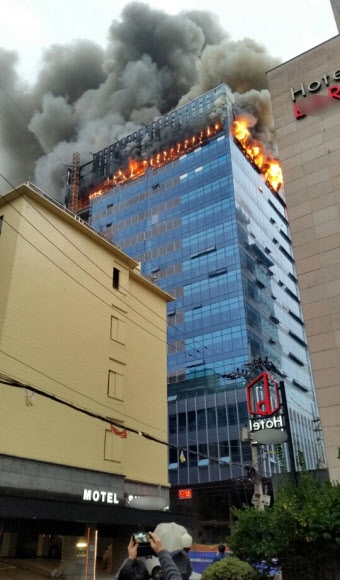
(134, 570)
(221, 548)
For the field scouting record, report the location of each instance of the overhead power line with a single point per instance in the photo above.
(188, 336)
(188, 440)
(12, 382)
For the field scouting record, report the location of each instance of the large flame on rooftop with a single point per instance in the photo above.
(136, 168)
(257, 152)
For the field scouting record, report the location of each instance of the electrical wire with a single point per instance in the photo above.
(84, 270)
(188, 440)
(68, 257)
(70, 260)
(77, 281)
(10, 381)
(96, 280)
(77, 392)
(85, 287)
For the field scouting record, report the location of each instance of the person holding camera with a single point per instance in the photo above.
(134, 569)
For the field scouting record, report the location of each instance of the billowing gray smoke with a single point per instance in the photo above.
(84, 97)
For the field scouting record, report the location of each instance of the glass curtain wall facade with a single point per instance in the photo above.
(208, 230)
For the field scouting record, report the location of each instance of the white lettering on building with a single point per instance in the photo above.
(313, 86)
(102, 496)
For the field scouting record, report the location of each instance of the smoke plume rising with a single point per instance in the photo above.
(85, 97)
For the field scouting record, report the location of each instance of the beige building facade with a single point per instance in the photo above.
(79, 322)
(336, 11)
(305, 93)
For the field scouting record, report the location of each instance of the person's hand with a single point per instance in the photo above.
(156, 543)
(132, 549)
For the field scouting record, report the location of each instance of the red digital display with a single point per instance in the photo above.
(185, 493)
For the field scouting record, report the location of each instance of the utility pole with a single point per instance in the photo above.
(250, 368)
(289, 441)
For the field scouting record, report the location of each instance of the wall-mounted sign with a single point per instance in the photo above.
(311, 102)
(100, 496)
(185, 494)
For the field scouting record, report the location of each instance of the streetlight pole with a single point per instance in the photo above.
(246, 372)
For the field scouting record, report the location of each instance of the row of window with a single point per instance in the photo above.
(209, 418)
(202, 455)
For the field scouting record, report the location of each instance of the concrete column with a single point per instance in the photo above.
(79, 555)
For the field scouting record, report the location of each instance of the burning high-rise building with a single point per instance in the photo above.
(200, 204)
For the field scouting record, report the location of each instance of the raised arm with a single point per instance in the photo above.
(169, 568)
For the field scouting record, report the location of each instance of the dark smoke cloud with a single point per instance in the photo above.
(86, 97)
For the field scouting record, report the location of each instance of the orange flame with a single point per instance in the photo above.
(256, 151)
(136, 168)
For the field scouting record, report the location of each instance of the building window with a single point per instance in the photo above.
(118, 328)
(115, 278)
(285, 253)
(299, 386)
(1, 222)
(112, 447)
(191, 421)
(232, 415)
(297, 318)
(182, 422)
(224, 452)
(291, 294)
(221, 416)
(116, 385)
(202, 451)
(173, 424)
(296, 359)
(297, 338)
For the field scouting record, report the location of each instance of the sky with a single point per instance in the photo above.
(286, 27)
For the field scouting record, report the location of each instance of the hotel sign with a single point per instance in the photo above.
(263, 401)
(313, 102)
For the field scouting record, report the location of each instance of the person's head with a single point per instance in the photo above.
(134, 570)
(221, 548)
(186, 542)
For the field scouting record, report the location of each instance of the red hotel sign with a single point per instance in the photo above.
(270, 398)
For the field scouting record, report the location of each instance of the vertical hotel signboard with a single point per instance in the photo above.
(264, 407)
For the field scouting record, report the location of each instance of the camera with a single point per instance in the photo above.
(142, 539)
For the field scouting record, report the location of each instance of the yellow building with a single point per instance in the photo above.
(305, 93)
(79, 322)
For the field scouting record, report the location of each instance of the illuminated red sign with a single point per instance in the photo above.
(185, 493)
(263, 396)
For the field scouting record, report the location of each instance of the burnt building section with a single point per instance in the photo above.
(152, 146)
